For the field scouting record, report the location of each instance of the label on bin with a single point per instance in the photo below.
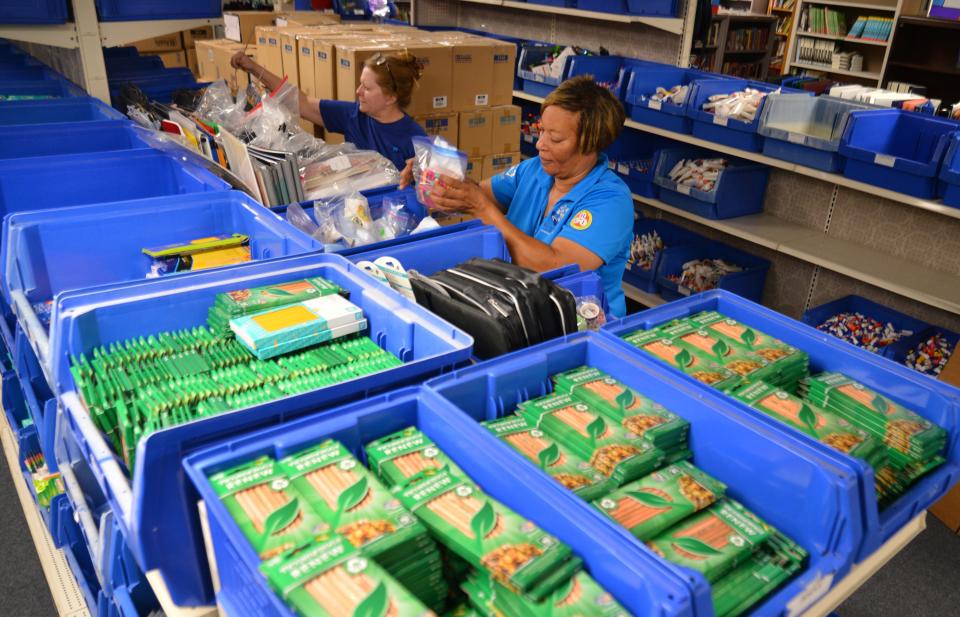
(684, 189)
(885, 159)
(683, 291)
(813, 592)
(721, 120)
(358, 12)
(796, 138)
(654, 105)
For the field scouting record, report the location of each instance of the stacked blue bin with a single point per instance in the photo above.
(33, 12)
(642, 85)
(748, 282)
(672, 235)
(147, 73)
(137, 10)
(950, 173)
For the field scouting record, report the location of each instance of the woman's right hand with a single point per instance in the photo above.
(406, 175)
(241, 60)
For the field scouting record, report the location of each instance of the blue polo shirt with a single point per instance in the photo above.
(391, 140)
(597, 214)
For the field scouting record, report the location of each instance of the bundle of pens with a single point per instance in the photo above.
(199, 254)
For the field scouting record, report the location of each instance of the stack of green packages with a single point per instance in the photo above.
(914, 445)
(669, 350)
(634, 412)
(605, 444)
(770, 566)
(355, 505)
(233, 304)
(580, 596)
(401, 457)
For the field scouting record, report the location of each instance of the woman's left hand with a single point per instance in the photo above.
(466, 196)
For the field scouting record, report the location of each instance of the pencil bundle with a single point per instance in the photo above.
(559, 462)
(240, 302)
(273, 515)
(748, 366)
(607, 446)
(672, 352)
(774, 563)
(580, 596)
(331, 578)
(403, 456)
(357, 506)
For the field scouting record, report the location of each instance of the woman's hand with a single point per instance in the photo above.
(466, 196)
(241, 60)
(406, 175)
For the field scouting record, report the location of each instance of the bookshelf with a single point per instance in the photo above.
(785, 12)
(926, 52)
(738, 44)
(850, 40)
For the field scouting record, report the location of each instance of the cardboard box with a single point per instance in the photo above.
(434, 90)
(333, 138)
(948, 508)
(472, 76)
(504, 56)
(169, 42)
(498, 163)
(324, 61)
(350, 57)
(268, 49)
(290, 54)
(505, 128)
(475, 168)
(475, 132)
(192, 62)
(240, 26)
(192, 35)
(173, 59)
(307, 18)
(207, 59)
(236, 79)
(443, 125)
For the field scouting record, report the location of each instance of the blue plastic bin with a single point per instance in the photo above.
(932, 399)
(672, 236)
(47, 88)
(26, 73)
(637, 147)
(33, 11)
(896, 150)
(53, 139)
(950, 173)
(663, 8)
(155, 508)
(78, 558)
(806, 130)
(643, 83)
(38, 396)
(119, 52)
(134, 10)
(585, 284)
(159, 88)
(728, 131)
(566, 3)
(603, 6)
(642, 586)
(792, 487)
(60, 111)
(857, 304)
(738, 191)
(133, 62)
(606, 70)
(535, 83)
(76, 179)
(747, 283)
(898, 351)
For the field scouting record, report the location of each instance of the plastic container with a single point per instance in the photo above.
(566, 3)
(773, 478)
(806, 130)
(662, 8)
(896, 150)
(672, 236)
(61, 111)
(934, 400)
(643, 83)
(81, 137)
(134, 10)
(747, 283)
(155, 508)
(78, 179)
(47, 252)
(603, 6)
(25, 73)
(584, 285)
(33, 11)
(738, 191)
(536, 83)
(857, 304)
(634, 157)
(68, 538)
(898, 351)
(47, 88)
(727, 131)
(38, 397)
(127, 63)
(606, 70)
(642, 586)
(950, 173)
(158, 88)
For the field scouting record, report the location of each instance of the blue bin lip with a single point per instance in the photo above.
(52, 105)
(687, 77)
(809, 141)
(950, 170)
(665, 155)
(927, 168)
(88, 126)
(876, 530)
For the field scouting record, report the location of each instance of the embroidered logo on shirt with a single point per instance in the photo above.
(511, 172)
(581, 220)
(559, 213)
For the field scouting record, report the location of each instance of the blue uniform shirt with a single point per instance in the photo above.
(391, 140)
(597, 214)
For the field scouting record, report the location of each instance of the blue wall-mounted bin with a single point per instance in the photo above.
(806, 130)
(634, 157)
(135, 10)
(603, 6)
(896, 150)
(606, 70)
(772, 477)
(857, 304)
(33, 11)
(724, 130)
(672, 235)
(738, 190)
(80, 137)
(934, 400)
(660, 8)
(26, 73)
(747, 283)
(535, 83)
(59, 111)
(950, 173)
(643, 83)
(155, 508)
(45, 88)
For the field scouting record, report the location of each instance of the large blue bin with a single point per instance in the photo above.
(950, 173)
(76, 179)
(898, 351)
(53, 139)
(644, 587)
(133, 62)
(728, 131)
(68, 537)
(672, 236)
(535, 83)
(26, 73)
(857, 304)
(738, 191)
(806, 130)
(159, 88)
(895, 149)
(634, 157)
(603, 6)
(643, 83)
(77, 109)
(134, 10)
(38, 396)
(747, 283)
(155, 508)
(44, 88)
(662, 8)
(586, 284)
(934, 400)
(33, 11)
(606, 70)
(791, 486)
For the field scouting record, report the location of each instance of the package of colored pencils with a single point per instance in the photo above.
(399, 457)
(579, 597)
(666, 349)
(774, 563)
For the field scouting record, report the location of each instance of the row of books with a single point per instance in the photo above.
(751, 70)
(872, 28)
(783, 25)
(823, 20)
(748, 39)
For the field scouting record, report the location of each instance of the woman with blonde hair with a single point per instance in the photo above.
(376, 121)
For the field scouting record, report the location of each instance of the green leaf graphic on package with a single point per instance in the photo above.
(649, 499)
(683, 358)
(626, 399)
(809, 418)
(749, 337)
(375, 604)
(351, 497)
(697, 547)
(597, 428)
(549, 455)
(881, 404)
(483, 523)
(280, 519)
(720, 349)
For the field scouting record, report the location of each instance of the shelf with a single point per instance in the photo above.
(674, 25)
(745, 52)
(520, 94)
(853, 5)
(834, 37)
(922, 67)
(895, 274)
(928, 22)
(826, 68)
(777, 9)
(643, 297)
(112, 34)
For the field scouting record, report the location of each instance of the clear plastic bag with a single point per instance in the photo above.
(434, 157)
(218, 106)
(396, 220)
(379, 8)
(343, 172)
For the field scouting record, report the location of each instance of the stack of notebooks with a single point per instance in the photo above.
(278, 176)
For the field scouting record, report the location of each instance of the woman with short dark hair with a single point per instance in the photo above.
(564, 206)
